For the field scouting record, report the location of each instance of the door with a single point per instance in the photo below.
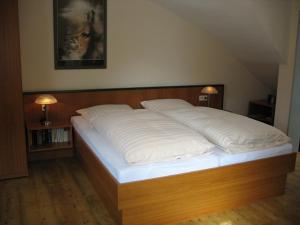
(13, 162)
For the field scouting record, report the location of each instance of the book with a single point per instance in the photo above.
(60, 135)
(39, 138)
(66, 135)
(34, 137)
(49, 136)
(53, 135)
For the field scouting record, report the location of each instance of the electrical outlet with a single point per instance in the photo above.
(203, 98)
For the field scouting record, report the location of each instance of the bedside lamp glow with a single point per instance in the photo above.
(209, 90)
(45, 101)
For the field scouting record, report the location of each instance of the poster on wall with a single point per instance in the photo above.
(80, 34)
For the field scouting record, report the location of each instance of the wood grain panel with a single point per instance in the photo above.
(214, 198)
(191, 185)
(70, 101)
(46, 155)
(12, 133)
(106, 185)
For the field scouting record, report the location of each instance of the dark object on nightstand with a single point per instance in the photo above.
(262, 110)
(48, 142)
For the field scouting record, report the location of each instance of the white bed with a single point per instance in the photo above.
(124, 172)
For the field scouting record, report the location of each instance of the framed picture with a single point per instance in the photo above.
(80, 34)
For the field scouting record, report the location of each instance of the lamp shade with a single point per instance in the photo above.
(209, 90)
(45, 100)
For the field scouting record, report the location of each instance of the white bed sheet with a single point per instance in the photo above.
(124, 172)
(226, 159)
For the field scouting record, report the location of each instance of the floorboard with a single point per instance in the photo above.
(58, 192)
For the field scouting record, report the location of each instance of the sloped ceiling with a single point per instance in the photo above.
(255, 31)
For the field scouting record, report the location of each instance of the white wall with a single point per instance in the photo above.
(286, 73)
(294, 120)
(255, 31)
(147, 46)
(275, 18)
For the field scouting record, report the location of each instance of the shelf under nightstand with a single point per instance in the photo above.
(48, 142)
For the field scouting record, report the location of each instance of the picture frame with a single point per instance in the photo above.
(80, 34)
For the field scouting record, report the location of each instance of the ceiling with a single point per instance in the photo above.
(255, 31)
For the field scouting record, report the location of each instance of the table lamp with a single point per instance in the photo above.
(209, 90)
(45, 101)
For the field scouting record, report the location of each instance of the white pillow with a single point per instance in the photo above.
(159, 105)
(91, 113)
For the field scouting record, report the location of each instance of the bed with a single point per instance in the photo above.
(156, 200)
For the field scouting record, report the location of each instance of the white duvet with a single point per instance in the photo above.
(143, 136)
(233, 133)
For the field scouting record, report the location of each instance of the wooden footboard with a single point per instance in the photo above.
(105, 184)
(181, 197)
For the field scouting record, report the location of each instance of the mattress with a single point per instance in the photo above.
(124, 172)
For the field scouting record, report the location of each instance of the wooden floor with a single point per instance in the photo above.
(58, 193)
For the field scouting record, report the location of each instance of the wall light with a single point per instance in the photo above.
(209, 90)
(45, 101)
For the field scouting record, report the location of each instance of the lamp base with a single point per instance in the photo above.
(46, 123)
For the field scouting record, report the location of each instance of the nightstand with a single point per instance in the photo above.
(48, 142)
(262, 110)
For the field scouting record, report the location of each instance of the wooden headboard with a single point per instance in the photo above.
(70, 101)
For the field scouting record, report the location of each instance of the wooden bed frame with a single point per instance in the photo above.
(174, 198)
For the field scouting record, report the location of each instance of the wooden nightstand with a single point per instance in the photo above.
(262, 111)
(48, 142)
